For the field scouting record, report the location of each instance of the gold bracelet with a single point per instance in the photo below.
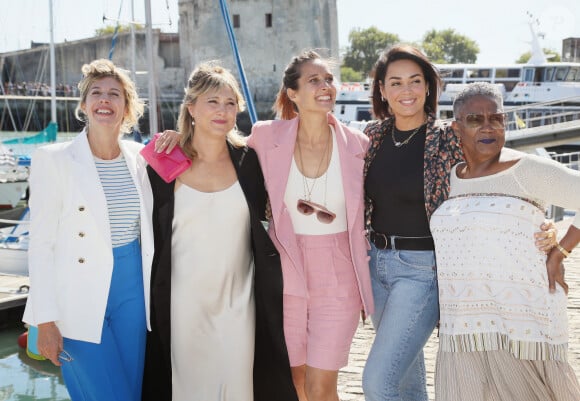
(564, 251)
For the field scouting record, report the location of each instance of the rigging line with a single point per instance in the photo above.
(15, 70)
(7, 108)
(238, 60)
(116, 33)
(36, 91)
(168, 13)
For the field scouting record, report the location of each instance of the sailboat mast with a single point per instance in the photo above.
(132, 25)
(151, 71)
(52, 67)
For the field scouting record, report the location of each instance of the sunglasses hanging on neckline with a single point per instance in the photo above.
(322, 213)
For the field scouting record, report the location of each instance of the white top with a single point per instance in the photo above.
(69, 256)
(327, 190)
(540, 179)
(493, 285)
(212, 297)
(122, 199)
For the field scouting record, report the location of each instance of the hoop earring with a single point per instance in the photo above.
(382, 98)
(427, 91)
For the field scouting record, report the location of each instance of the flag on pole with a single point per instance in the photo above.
(519, 122)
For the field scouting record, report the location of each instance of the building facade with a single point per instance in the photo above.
(25, 78)
(268, 32)
(571, 50)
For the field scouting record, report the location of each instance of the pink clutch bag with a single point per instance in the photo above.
(168, 166)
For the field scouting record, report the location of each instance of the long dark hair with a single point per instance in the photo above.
(404, 52)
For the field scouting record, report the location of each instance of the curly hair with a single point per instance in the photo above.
(103, 68)
(477, 89)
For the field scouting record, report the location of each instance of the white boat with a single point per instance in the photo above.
(13, 178)
(537, 81)
(12, 192)
(14, 246)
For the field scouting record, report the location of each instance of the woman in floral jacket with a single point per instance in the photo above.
(406, 178)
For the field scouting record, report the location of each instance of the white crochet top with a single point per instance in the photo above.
(493, 285)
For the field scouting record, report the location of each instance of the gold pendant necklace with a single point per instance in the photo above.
(406, 141)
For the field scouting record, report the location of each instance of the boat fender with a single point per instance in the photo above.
(23, 339)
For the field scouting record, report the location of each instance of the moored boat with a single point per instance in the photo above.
(14, 243)
(13, 178)
(553, 84)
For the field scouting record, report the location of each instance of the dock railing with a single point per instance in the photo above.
(544, 113)
(571, 159)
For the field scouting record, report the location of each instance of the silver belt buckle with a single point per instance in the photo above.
(393, 246)
(385, 238)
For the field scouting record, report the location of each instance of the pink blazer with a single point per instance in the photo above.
(274, 143)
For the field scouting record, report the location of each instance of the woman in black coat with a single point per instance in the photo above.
(220, 162)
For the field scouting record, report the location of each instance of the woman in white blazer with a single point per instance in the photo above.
(91, 244)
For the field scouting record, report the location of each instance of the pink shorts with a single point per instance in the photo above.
(319, 329)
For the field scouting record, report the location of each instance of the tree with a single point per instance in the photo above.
(347, 74)
(551, 54)
(447, 46)
(365, 47)
(110, 29)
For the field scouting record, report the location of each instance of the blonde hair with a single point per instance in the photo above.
(103, 68)
(208, 76)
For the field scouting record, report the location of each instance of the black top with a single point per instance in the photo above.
(395, 185)
(272, 375)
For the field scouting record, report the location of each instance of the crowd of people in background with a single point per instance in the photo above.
(38, 89)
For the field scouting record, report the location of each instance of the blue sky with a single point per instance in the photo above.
(498, 26)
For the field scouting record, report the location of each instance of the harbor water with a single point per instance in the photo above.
(27, 149)
(23, 378)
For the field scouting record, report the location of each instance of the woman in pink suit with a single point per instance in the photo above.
(313, 168)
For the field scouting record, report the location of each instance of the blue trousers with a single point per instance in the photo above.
(406, 312)
(113, 369)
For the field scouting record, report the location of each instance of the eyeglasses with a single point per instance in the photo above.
(65, 356)
(322, 214)
(496, 120)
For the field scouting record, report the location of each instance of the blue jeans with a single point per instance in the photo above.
(406, 312)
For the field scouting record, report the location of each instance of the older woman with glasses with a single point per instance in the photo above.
(313, 171)
(504, 331)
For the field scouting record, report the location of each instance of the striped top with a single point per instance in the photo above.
(122, 200)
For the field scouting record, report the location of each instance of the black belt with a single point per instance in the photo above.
(383, 241)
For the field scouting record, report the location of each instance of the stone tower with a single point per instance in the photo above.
(269, 33)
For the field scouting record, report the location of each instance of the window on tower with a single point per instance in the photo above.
(236, 20)
(268, 20)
